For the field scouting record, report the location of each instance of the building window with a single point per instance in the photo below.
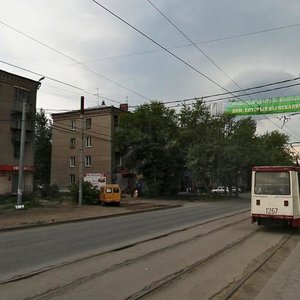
(88, 123)
(116, 121)
(72, 178)
(88, 161)
(72, 161)
(16, 149)
(72, 143)
(73, 124)
(22, 94)
(118, 159)
(88, 142)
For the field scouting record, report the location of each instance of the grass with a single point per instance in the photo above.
(9, 202)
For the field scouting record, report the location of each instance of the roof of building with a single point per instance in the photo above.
(15, 79)
(99, 109)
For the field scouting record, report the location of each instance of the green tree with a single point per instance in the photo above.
(42, 151)
(273, 149)
(148, 138)
(218, 150)
(198, 141)
(237, 155)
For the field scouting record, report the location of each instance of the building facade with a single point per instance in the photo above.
(14, 91)
(84, 143)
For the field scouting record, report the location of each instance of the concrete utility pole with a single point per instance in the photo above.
(21, 161)
(81, 151)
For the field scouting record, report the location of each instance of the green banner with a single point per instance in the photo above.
(264, 106)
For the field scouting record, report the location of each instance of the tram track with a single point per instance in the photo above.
(129, 262)
(172, 277)
(60, 265)
(241, 286)
(230, 292)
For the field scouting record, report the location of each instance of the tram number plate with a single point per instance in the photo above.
(271, 211)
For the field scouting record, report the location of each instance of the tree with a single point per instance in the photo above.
(148, 138)
(161, 144)
(273, 149)
(42, 151)
(218, 150)
(198, 141)
(238, 152)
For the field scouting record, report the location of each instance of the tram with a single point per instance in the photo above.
(275, 195)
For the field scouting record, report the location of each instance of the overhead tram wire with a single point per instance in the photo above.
(195, 45)
(159, 45)
(235, 91)
(199, 43)
(291, 133)
(56, 80)
(75, 60)
(39, 74)
(171, 53)
(225, 98)
(59, 128)
(198, 48)
(210, 59)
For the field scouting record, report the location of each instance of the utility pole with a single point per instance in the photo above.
(21, 161)
(81, 151)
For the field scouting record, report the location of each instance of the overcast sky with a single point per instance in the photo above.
(83, 50)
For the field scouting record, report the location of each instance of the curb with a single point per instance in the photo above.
(30, 226)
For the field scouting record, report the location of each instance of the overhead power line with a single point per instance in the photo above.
(194, 44)
(226, 98)
(74, 60)
(63, 129)
(199, 43)
(39, 74)
(172, 54)
(58, 81)
(159, 45)
(213, 62)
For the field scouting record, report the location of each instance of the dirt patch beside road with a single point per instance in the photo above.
(67, 211)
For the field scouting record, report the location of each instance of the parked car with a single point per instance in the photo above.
(221, 190)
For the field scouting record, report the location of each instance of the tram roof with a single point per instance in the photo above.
(276, 168)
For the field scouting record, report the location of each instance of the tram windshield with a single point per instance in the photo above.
(272, 183)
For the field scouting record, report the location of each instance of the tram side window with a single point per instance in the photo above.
(272, 183)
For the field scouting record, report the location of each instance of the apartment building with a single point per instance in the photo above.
(14, 90)
(93, 133)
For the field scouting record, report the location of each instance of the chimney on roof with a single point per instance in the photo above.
(103, 103)
(124, 106)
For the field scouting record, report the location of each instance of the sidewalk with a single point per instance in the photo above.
(53, 213)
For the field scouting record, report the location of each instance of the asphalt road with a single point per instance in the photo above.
(28, 250)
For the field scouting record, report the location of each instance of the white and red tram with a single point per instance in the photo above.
(275, 195)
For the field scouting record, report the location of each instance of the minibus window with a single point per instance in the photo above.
(109, 190)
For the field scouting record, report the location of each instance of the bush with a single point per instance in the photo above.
(49, 191)
(90, 194)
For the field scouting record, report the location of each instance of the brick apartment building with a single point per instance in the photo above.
(99, 152)
(13, 90)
